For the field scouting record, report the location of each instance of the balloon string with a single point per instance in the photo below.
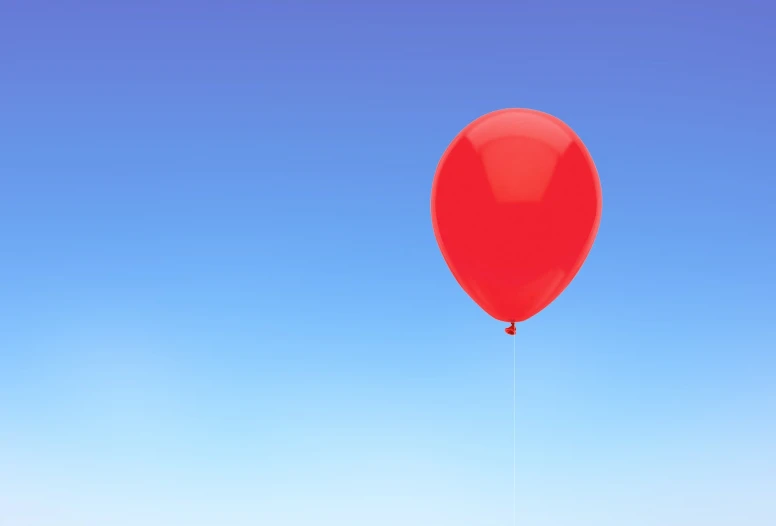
(514, 427)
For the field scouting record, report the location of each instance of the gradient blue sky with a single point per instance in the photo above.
(221, 301)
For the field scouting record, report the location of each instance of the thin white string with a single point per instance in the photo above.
(514, 427)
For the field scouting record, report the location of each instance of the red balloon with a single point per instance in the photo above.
(516, 204)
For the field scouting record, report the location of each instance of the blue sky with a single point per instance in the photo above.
(222, 302)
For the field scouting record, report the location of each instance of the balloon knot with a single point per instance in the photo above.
(511, 330)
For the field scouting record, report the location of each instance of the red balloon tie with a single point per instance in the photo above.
(511, 330)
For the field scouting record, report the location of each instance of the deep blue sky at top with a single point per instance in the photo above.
(215, 236)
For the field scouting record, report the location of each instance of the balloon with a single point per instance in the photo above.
(515, 204)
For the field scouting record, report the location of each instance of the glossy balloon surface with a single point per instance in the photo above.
(515, 205)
